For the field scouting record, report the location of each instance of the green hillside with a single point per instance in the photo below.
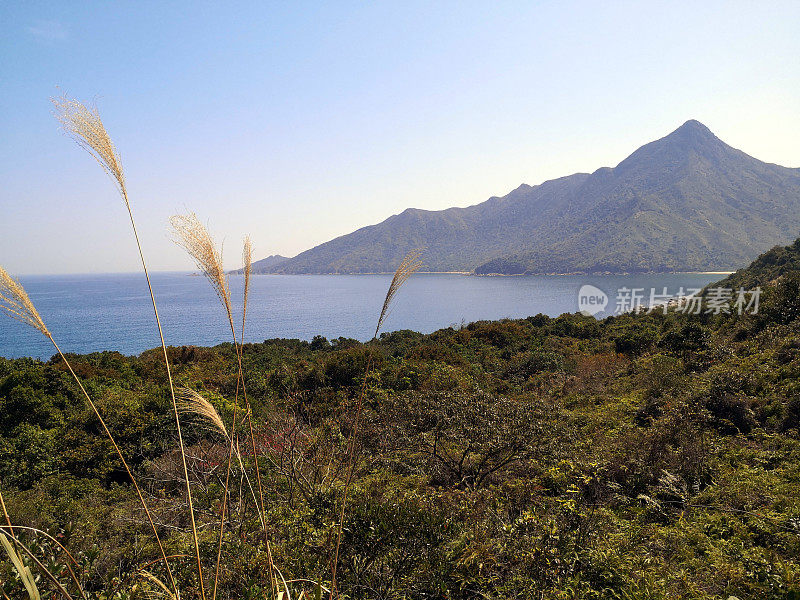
(645, 456)
(686, 202)
(769, 268)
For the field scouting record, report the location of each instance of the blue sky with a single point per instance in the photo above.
(297, 122)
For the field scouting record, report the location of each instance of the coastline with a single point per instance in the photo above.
(472, 273)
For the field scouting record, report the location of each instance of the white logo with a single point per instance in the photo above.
(591, 300)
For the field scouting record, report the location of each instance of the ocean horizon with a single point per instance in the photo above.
(97, 312)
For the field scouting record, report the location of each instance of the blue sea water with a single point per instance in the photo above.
(88, 313)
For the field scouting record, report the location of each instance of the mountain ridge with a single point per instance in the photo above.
(685, 202)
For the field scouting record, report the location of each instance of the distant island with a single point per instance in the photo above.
(686, 202)
(265, 265)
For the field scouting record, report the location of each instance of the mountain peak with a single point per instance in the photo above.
(694, 125)
(692, 131)
(690, 138)
(265, 265)
(685, 202)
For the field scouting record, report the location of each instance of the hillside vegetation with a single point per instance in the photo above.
(686, 202)
(645, 456)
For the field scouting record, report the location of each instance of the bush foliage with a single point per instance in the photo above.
(642, 456)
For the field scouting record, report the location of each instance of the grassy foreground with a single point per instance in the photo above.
(642, 456)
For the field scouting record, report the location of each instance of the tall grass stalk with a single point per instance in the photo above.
(247, 266)
(16, 302)
(85, 126)
(190, 233)
(87, 129)
(247, 262)
(22, 570)
(5, 513)
(410, 265)
(224, 507)
(192, 403)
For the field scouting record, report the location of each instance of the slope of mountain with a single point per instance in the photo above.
(765, 270)
(266, 265)
(685, 202)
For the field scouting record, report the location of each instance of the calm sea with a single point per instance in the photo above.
(88, 313)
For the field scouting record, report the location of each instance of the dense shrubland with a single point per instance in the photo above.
(642, 456)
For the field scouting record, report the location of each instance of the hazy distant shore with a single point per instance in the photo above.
(584, 273)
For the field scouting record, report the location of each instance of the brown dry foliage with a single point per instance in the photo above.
(410, 265)
(194, 237)
(84, 125)
(15, 301)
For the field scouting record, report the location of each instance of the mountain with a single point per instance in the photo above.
(770, 267)
(685, 202)
(265, 265)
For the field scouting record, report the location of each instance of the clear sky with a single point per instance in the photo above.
(298, 122)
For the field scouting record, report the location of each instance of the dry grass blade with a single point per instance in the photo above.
(160, 591)
(53, 540)
(22, 570)
(84, 125)
(247, 262)
(189, 233)
(410, 265)
(15, 301)
(192, 403)
(86, 128)
(16, 544)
